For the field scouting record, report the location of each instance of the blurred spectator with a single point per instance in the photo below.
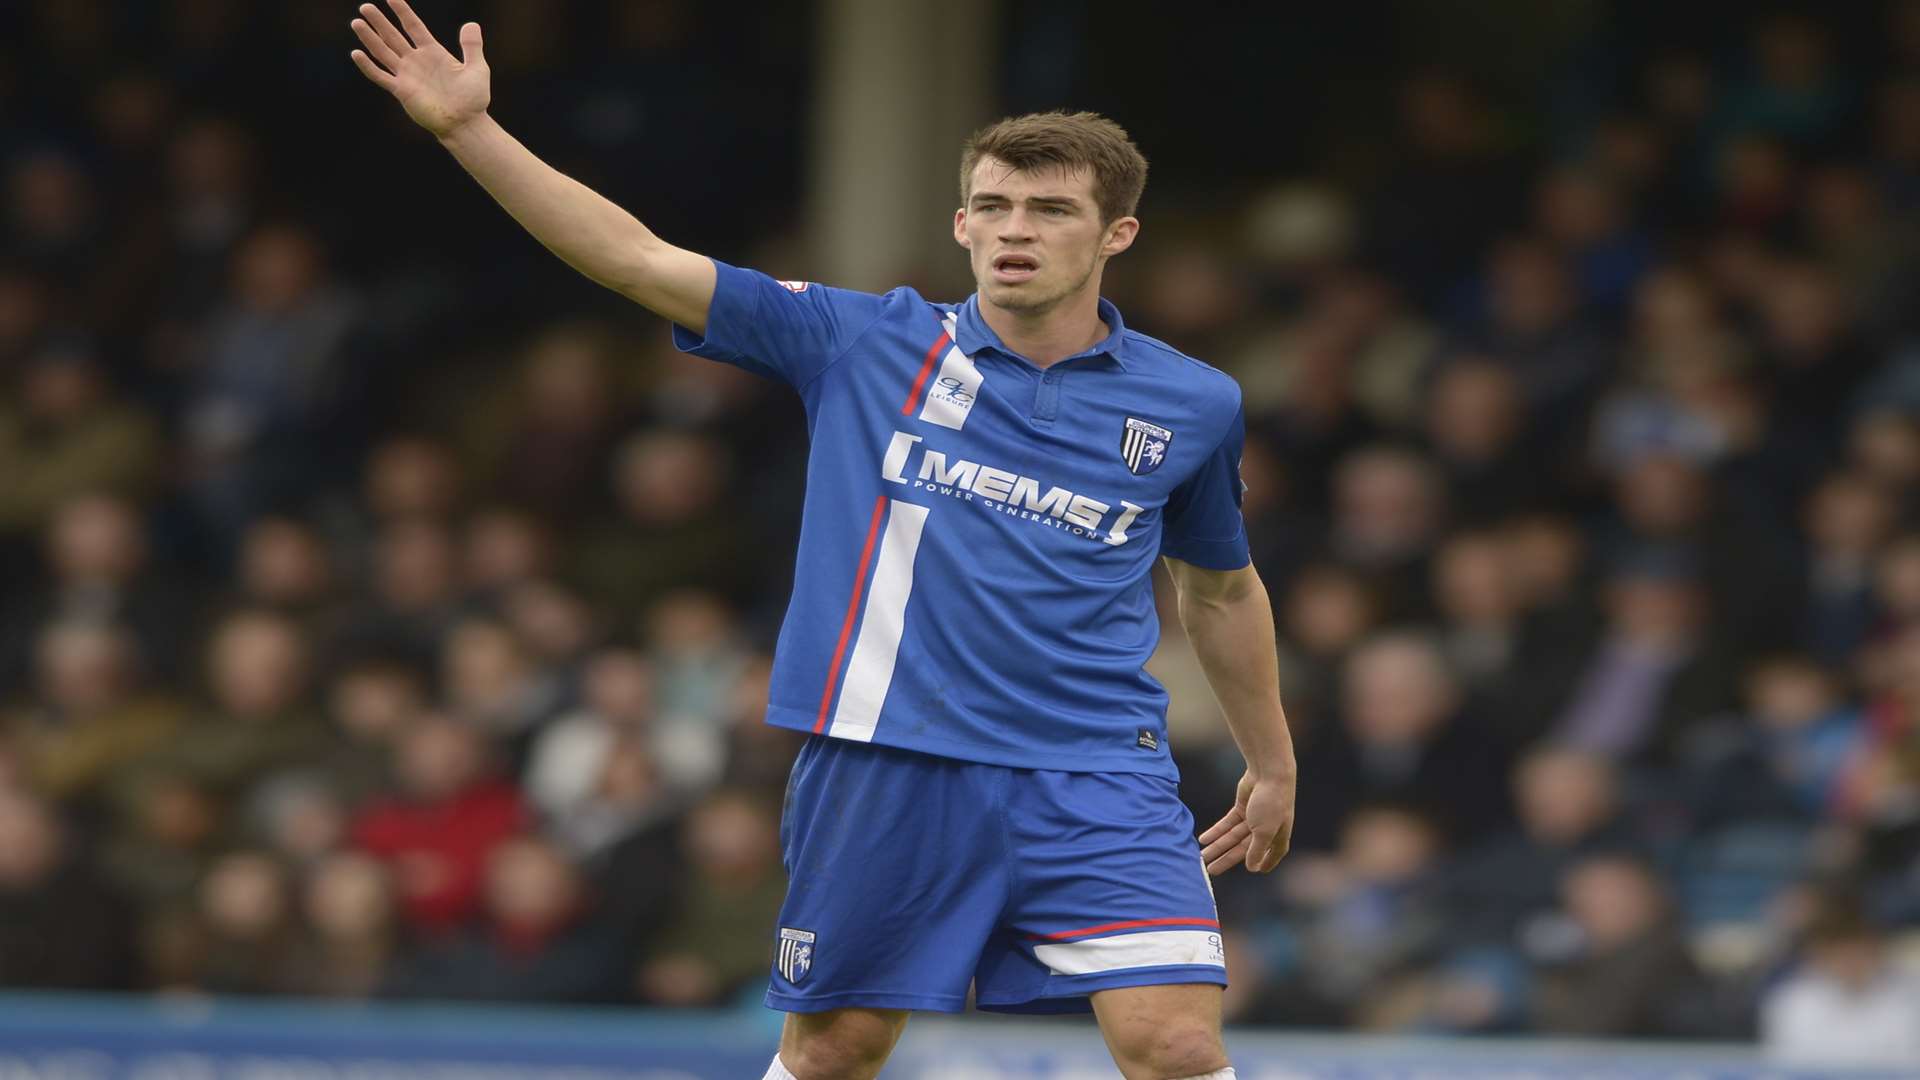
(1569, 806)
(1848, 519)
(60, 927)
(246, 927)
(297, 817)
(415, 599)
(555, 625)
(92, 717)
(1787, 755)
(168, 273)
(1534, 326)
(98, 568)
(274, 377)
(1627, 971)
(1403, 738)
(539, 940)
(285, 566)
(412, 477)
(165, 834)
(504, 547)
(1374, 915)
(1387, 513)
(1483, 634)
(1326, 613)
(371, 701)
(570, 758)
(1885, 444)
(699, 956)
(1849, 1004)
(1653, 674)
(437, 833)
(676, 525)
(698, 655)
(543, 439)
(1475, 425)
(1817, 359)
(491, 683)
(52, 220)
(350, 929)
(260, 717)
(66, 434)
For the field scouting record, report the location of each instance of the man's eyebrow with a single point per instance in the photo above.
(1031, 200)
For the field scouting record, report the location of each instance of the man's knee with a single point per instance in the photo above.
(843, 1044)
(1170, 1051)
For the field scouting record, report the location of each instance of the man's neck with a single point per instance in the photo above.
(1067, 329)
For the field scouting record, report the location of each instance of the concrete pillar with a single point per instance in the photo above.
(900, 84)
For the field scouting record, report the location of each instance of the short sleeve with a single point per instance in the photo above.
(1203, 525)
(786, 330)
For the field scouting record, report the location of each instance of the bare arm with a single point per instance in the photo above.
(449, 98)
(1229, 619)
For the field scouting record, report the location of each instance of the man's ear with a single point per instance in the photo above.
(960, 229)
(1120, 236)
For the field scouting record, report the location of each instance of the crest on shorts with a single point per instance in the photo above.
(795, 957)
(1143, 446)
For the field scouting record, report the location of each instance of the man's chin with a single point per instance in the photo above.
(1023, 298)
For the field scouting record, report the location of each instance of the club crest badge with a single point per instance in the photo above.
(1143, 446)
(795, 957)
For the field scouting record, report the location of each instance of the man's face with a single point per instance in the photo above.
(1035, 238)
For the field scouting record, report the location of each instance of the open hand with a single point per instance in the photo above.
(439, 92)
(1256, 832)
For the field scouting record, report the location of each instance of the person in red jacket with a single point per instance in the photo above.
(438, 832)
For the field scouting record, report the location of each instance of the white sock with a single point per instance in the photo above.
(1217, 1074)
(778, 1071)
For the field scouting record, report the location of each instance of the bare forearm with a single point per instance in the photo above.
(1233, 638)
(584, 228)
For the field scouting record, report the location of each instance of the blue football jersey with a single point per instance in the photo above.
(974, 572)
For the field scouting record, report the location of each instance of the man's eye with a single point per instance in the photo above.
(1056, 211)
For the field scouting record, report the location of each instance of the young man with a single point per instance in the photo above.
(988, 800)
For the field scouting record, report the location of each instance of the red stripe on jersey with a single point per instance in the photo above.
(853, 609)
(1134, 924)
(926, 369)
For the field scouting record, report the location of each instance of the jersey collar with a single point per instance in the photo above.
(972, 334)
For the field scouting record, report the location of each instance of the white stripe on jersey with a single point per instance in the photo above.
(870, 672)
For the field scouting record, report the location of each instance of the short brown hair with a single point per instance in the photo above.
(1064, 140)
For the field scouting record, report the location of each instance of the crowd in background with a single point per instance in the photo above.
(377, 626)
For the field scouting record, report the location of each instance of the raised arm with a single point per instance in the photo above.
(1229, 619)
(449, 98)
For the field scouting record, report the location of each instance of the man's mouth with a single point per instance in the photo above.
(1014, 267)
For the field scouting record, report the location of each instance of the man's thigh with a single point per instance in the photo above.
(1162, 1032)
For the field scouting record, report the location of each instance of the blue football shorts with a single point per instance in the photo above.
(912, 877)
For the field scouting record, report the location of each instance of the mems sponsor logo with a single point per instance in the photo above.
(914, 465)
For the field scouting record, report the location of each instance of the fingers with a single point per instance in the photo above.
(417, 30)
(1233, 817)
(1227, 859)
(470, 44)
(376, 45)
(372, 70)
(1224, 842)
(384, 27)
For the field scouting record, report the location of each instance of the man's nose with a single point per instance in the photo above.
(1016, 226)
